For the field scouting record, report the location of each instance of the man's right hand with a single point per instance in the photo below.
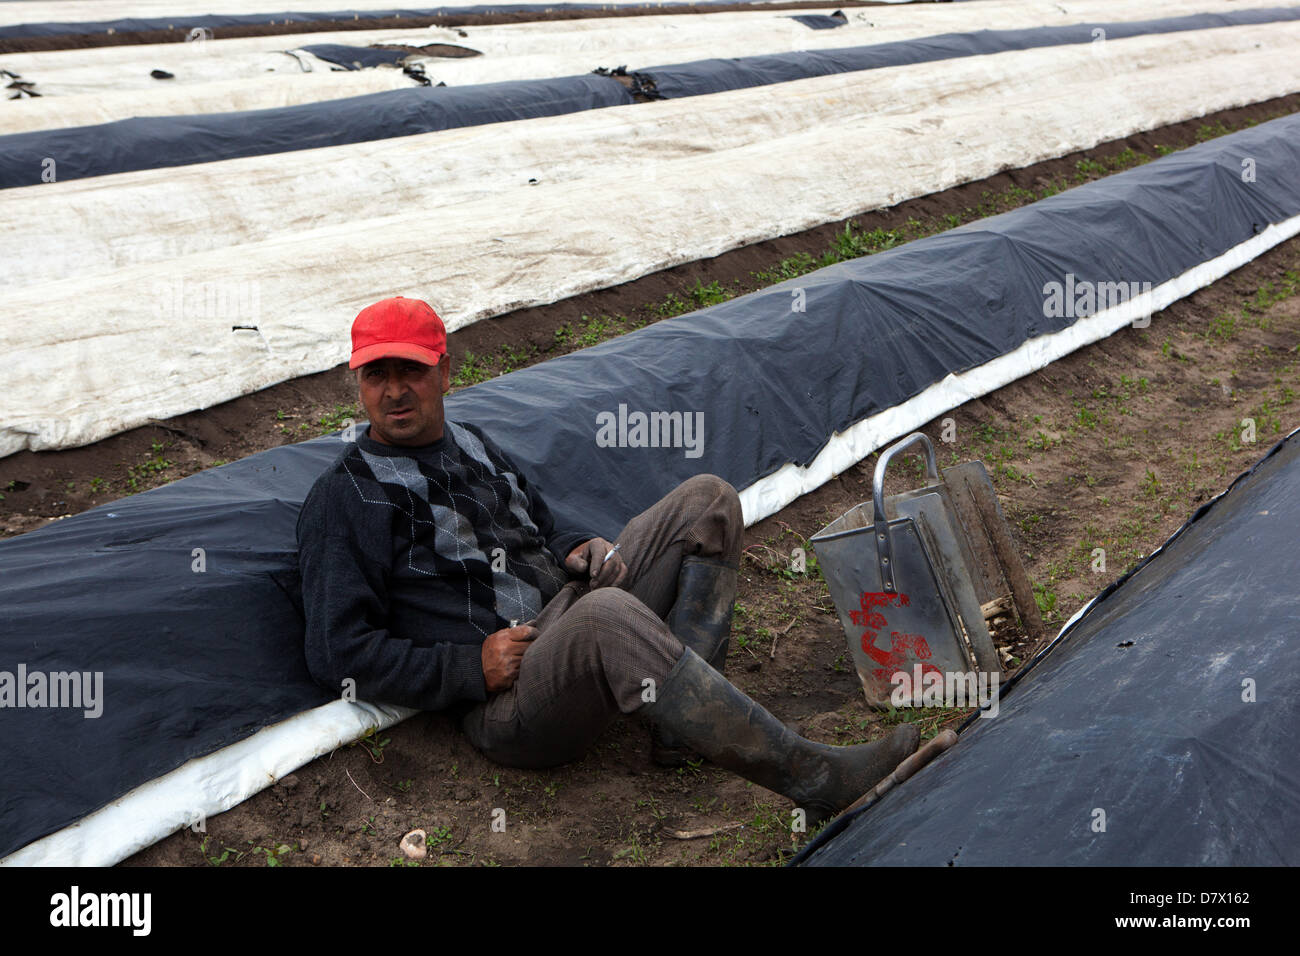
(502, 652)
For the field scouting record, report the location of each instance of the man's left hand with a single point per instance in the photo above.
(589, 558)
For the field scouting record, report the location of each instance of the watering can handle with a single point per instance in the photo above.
(884, 547)
(878, 482)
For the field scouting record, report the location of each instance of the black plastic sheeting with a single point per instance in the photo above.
(213, 21)
(355, 57)
(194, 661)
(821, 21)
(716, 75)
(161, 141)
(1140, 713)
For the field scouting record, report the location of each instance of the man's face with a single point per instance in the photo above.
(403, 399)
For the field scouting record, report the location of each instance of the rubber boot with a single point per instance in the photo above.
(711, 715)
(701, 620)
(701, 615)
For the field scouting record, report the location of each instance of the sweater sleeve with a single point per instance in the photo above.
(346, 603)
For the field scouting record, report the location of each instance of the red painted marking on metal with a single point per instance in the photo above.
(904, 649)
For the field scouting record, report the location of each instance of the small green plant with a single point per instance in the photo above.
(673, 304)
(437, 837)
(513, 359)
(148, 469)
(635, 852)
(927, 719)
(273, 854)
(1207, 131)
(1223, 327)
(470, 371)
(705, 295)
(337, 419)
(801, 263)
(1045, 599)
(1088, 167)
(690, 767)
(1042, 442)
(374, 745)
(213, 859)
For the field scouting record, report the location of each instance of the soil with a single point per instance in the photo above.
(1096, 460)
(81, 41)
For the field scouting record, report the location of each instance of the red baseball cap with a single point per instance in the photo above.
(398, 328)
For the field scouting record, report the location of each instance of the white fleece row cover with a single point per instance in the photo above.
(209, 693)
(273, 298)
(88, 227)
(509, 52)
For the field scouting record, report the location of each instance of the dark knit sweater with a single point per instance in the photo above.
(402, 578)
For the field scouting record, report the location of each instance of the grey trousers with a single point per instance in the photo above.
(596, 650)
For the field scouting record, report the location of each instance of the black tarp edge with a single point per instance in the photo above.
(821, 21)
(875, 332)
(355, 57)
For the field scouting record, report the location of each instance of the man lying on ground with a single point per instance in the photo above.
(423, 547)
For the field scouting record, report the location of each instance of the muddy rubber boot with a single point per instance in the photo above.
(700, 619)
(709, 714)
